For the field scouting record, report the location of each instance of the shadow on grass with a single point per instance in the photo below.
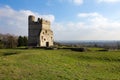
(10, 53)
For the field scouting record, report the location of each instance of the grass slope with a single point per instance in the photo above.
(39, 64)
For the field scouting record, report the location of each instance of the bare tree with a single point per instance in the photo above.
(8, 41)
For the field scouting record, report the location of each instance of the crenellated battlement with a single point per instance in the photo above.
(31, 19)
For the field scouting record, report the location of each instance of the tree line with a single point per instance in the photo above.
(12, 41)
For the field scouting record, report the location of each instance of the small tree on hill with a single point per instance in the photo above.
(11, 42)
(22, 41)
(1, 44)
(25, 40)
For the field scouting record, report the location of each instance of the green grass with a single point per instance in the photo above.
(40, 64)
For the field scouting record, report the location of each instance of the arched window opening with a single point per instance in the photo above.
(41, 37)
(45, 31)
(44, 39)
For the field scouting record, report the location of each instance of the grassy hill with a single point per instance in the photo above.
(40, 64)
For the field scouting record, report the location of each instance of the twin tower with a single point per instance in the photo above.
(39, 33)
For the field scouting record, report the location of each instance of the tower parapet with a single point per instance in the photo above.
(31, 18)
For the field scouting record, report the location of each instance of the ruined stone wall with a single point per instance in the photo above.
(39, 32)
(33, 31)
(46, 36)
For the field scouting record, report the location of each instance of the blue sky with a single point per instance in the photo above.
(70, 19)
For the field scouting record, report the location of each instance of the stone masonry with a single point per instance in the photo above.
(39, 32)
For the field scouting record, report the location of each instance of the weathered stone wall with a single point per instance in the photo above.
(39, 33)
(46, 36)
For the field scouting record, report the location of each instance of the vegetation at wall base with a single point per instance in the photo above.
(61, 64)
(22, 41)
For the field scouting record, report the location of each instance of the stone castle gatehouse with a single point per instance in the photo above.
(39, 32)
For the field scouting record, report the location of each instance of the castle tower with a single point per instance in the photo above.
(39, 32)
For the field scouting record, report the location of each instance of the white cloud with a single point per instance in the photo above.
(95, 27)
(15, 22)
(88, 14)
(101, 27)
(109, 1)
(76, 2)
(68, 31)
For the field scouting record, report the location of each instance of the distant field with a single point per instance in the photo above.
(40, 64)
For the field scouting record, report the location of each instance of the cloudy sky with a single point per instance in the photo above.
(70, 19)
